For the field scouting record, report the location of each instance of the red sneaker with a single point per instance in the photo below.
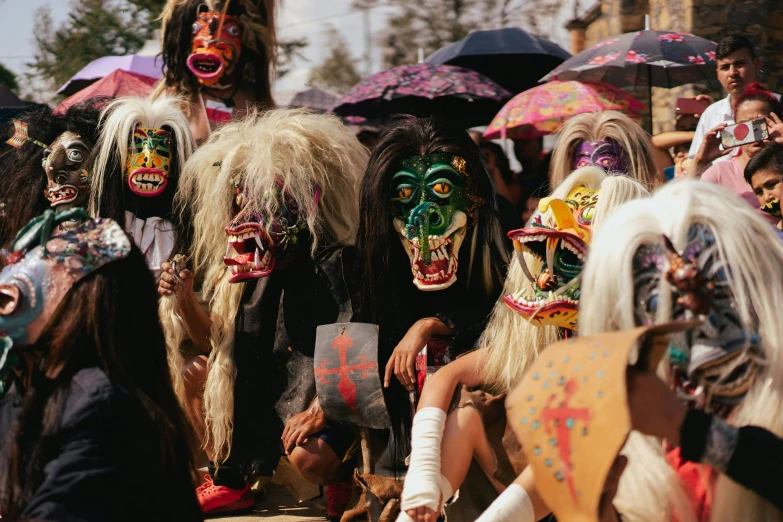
(337, 498)
(221, 499)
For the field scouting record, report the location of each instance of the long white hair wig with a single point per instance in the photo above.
(293, 151)
(597, 126)
(510, 341)
(650, 490)
(118, 120)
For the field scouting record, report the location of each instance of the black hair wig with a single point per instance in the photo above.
(24, 181)
(255, 65)
(386, 292)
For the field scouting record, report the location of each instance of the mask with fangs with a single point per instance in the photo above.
(556, 242)
(259, 237)
(434, 205)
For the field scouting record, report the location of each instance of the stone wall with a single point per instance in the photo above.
(761, 21)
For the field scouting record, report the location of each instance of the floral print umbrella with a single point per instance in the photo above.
(542, 110)
(461, 95)
(643, 58)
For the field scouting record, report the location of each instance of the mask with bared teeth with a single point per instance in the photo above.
(262, 233)
(434, 205)
(552, 252)
(68, 184)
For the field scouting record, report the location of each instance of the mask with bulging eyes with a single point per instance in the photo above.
(434, 205)
(716, 364)
(605, 154)
(258, 239)
(68, 184)
(215, 50)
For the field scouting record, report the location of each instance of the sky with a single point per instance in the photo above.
(296, 18)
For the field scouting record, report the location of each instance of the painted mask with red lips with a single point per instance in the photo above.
(216, 48)
(258, 239)
(555, 245)
(149, 161)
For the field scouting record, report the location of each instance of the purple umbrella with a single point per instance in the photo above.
(461, 95)
(144, 65)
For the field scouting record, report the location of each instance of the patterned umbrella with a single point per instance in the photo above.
(645, 59)
(541, 110)
(461, 95)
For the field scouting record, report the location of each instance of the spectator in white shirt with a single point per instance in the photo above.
(738, 67)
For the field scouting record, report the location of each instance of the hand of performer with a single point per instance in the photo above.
(402, 362)
(655, 409)
(425, 514)
(171, 283)
(303, 425)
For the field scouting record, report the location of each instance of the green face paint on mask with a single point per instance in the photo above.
(433, 202)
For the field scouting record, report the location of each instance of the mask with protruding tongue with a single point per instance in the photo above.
(556, 244)
(434, 206)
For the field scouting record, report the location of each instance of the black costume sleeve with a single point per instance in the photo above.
(750, 455)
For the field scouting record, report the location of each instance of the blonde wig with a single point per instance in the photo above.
(293, 151)
(512, 343)
(650, 490)
(597, 126)
(118, 120)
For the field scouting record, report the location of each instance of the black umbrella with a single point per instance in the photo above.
(643, 59)
(512, 57)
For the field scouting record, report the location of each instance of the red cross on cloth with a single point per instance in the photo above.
(346, 386)
(560, 418)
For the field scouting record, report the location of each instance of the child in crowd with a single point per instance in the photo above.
(764, 173)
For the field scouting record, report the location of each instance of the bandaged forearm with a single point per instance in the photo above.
(424, 483)
(513, 504)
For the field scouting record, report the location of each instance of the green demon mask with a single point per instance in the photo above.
(433, 205)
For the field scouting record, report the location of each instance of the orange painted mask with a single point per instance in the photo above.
(216, 48)
(149, 161)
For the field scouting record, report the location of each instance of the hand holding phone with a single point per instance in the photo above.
(744, 133)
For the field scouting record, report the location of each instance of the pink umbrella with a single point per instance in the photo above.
(115, 85)
(149, 66)
(542, 110)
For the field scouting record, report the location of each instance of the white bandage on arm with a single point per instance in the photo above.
(424, 483)
(513, 504)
